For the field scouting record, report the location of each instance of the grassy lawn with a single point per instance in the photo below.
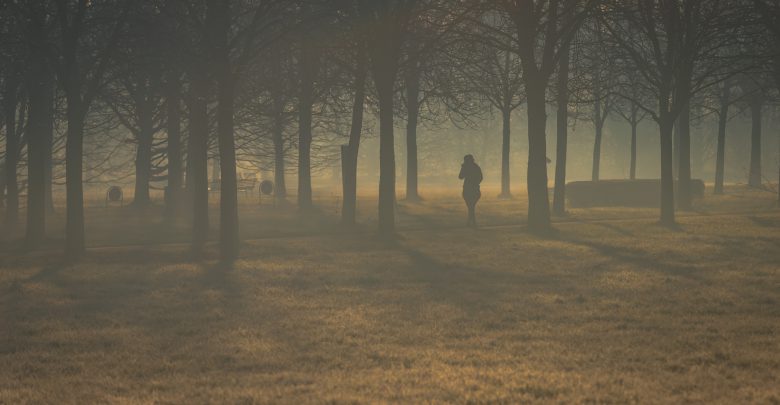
(617, 311)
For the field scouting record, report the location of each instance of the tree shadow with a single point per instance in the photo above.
(765, 222)
(638, 257)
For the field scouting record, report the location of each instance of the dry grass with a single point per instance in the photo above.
(441, 209)
(612, 311)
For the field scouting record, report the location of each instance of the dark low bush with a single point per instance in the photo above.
(621, 193)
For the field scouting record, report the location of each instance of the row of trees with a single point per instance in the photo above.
(264, 80)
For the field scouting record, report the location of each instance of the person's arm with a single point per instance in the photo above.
(479, 174)
(461, 175)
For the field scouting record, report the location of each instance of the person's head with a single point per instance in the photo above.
(468, 159)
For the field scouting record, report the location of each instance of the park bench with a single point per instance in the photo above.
(247, 185)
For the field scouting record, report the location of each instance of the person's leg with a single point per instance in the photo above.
(473, 210)
(472, 215)
(468, 209)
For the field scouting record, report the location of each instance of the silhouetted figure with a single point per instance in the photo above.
(471, 175)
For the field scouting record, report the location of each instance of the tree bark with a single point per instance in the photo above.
(197, 155)
(538, 199)
(308, 66)
(48, 170)
(280, 188)
(384, 85)
(598, 124)
(684, 198)
(143, 156)
(228, 192)
(676, 150)
(74, 166)
(667, 174)
(349, 153)
(413, 111)
(40, 84)
(754, 179)
(412, 193)
(76, 112)
(506, 120)
(175, 172)
(562, 134)
(226, 80)
(10, 103)
(720, 159)
(277, 94)
(634, 124)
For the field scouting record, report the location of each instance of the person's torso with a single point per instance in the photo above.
(472, 176)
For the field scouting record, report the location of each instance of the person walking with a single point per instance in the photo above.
(471, 174)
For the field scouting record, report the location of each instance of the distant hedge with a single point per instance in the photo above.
(621, 193)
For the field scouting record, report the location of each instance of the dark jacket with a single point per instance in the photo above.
(471, 175)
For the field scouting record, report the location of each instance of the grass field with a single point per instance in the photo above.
(614, 308)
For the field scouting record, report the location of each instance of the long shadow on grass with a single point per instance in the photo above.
(471, 289)
(638, 257)
(765, 222)
(159, 297)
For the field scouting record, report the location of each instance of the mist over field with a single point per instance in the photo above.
(389, 201)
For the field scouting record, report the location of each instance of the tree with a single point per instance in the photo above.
(675, 47)
(769, 10)
(39, 82)
(308, 66)
(137, 94)
(562, 135)
(349, 152)
(602, 85)
(494, 73)
(629, 108)
(238, 32)
(543, 29)
(724, 101)
(386, 23)
(427, 76)
(89, 33)
(14, 105)
(755, 96)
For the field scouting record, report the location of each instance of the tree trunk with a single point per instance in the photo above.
(634, 124)
(48, 170)
(280, 188)
(308, 66)
(538, 198)
(228, 191)
(720, 159)
(197, 155)
(349, 153)
(506, 120)
(10, 103)
(74, 166)
(40, 84)
(667, 174)
(2, 191)
(143, 157)
(384, 86)
(754, 179)
(562, 135)
(413, 112)
(215, 169)
(684, 165)
(598, 124)
(277, 96)
(175, 172)
(676, 150)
